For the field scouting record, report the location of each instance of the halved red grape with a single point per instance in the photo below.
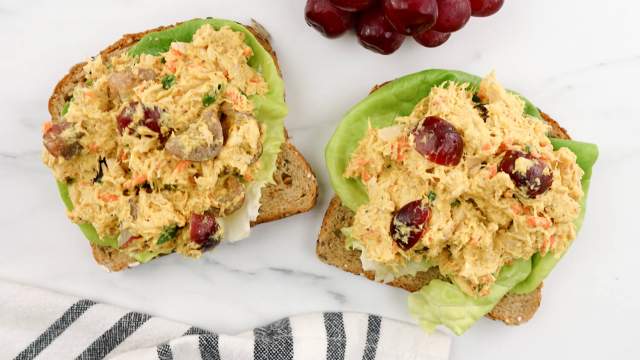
(125, 118)
(352, 5)
(535, 181)
(326, 18)
(410, 223)
(410, 16)
(438, 141)
(203, 229)
(152, 119)
(482, 8)
(376, 33)
(431, 38)
(452, 15)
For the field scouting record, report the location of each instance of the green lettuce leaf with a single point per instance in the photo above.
(270, 109)
(444, 303)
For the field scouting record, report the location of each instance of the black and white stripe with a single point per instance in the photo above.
(113, 337)
(273, 342)
(87, 330)
(373, 335)
(164, 352)
(57, 328)
(208, 345)
(196, 331)
(336, 336)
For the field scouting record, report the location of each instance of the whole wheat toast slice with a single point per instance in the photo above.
(512, 309)
(295, 189)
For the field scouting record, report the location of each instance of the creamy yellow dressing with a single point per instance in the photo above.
(144, 189)
(480, 220)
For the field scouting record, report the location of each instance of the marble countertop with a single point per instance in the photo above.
(578, 61)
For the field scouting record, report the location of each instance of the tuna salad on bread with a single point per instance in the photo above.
(457, 190)
(173, 140)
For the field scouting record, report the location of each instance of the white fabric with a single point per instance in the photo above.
(39, 324)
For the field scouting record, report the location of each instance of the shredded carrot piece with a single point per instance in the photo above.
(176, 52)
(183, 164)
(93, 148)
(493, 171)
(233, 97)
(129, 241)
(534, 221)
(360, 162)
(140, 179)
(47, 126)
(171, 66)
(402, 144)
(552, 241)
(486, 147)
(247, 52)
(123, 156)
(517, 209)
(108, 197)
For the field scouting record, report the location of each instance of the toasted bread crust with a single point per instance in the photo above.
(293, 174)
(295, 189)
(513, 309)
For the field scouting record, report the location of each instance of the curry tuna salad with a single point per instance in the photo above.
(455, 190)
(167, 146)
(466, 186)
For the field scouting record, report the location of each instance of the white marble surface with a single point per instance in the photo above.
(578, 60)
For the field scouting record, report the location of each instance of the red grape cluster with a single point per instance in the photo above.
(382, 25)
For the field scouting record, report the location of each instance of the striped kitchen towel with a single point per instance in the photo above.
(39, 324)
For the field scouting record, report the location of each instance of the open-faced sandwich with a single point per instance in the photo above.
(172, 140)
(457, 190)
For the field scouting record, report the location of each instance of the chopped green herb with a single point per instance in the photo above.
(163, 60)
(455, 203)
(168, 81)
(168, 234)
(527, 149)
(65, 108)
(432, 196)
(89, 82)
(208, 99)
